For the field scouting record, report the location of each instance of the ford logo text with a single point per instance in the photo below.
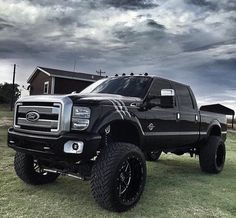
(32, 116)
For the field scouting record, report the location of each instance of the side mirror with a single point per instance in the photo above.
(166, 100)
(167, 92)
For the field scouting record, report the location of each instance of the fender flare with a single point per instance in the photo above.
(212, 125)
(114, 117)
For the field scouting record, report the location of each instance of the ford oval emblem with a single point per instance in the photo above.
(32, 116)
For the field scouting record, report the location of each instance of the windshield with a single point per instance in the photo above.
(132, 86)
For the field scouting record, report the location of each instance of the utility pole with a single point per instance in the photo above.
(74, 64)
(233, 122)
(100, 72)
(13, 88)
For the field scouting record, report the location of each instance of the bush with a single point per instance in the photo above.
(6, 93)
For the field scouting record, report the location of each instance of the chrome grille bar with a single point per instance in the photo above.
(39, 109)
(52, 124)
(54, 114)
(49, 124)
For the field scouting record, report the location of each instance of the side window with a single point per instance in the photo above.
(158, 85)
(46, 87)
(184, 97)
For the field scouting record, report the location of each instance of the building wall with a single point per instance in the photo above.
(66, 86)
(37, 84)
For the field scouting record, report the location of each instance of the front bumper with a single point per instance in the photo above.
(53, 147)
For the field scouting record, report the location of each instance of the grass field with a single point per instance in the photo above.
(6, 116)
(5, 111)
(175, 188)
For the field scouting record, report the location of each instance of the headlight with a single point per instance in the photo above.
(81, 112)
(80, 124)
(80, 118)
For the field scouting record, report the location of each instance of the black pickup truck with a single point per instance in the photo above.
(106, 133)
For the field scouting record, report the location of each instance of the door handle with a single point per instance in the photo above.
(178, 116)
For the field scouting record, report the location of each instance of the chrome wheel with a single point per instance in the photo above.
(38, 169)
(125, 177)
(220, 156)
(130, 180)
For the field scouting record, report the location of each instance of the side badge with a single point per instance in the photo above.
(108, 129)
(151, 126)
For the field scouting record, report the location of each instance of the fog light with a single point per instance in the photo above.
(73, 147)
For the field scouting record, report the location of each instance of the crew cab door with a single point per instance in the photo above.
(188, 119)
(160, 124)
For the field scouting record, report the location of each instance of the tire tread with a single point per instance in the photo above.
(207, 155)
(103, 173)
(23, 165)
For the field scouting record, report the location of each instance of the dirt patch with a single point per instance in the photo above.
(6, 121)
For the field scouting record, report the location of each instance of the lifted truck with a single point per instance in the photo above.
(106, 133)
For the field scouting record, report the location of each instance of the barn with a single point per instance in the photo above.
(44, 81)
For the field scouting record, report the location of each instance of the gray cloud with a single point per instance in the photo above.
(4, 24)
(154, 24)
(230, 5)
(131, 4)
(186, 40)
(206, 4)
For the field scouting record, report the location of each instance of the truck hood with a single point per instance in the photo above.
(99, 98)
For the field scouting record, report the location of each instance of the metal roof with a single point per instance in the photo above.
(218, 108)
(65, 74)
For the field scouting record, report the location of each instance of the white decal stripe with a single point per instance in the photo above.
(203, 133)
(116, 108)
(171, 133)
(119, 106)
(126, 109)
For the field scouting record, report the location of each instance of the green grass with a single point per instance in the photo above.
(5, 111)
(175, 188)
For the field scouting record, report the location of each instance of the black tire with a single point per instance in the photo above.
(28, 170)
(153, 155)
(212, 155)
(118, 177)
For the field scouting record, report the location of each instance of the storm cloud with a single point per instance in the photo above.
(191, 41)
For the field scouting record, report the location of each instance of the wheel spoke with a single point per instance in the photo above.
(127, 167)
(125, 178)
(38, 169)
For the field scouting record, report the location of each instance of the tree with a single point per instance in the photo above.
(6, 93)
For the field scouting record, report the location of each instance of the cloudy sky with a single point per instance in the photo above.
(190, 41)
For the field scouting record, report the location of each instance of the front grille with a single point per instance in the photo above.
(48, 121)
